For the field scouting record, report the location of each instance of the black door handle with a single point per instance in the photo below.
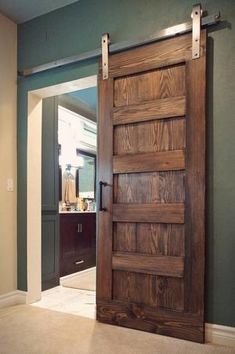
(102, 184)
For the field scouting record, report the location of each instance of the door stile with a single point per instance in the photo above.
(195, 185)
(105, 174)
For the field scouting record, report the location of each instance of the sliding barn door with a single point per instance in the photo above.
(152, 161)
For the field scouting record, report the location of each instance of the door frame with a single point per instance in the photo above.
(34, 144)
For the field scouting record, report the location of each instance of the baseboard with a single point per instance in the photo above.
(16, 297)
(217, 334)
(65, 277)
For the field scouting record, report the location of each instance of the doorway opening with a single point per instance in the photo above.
(76, 207)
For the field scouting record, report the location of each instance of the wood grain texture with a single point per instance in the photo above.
(158, 135)
(134, 287)
(148, 187)
(159, 213)
(170, 293)
(149, 238)
(156, 291)
(153, 85)
(156, 265)
(159, 109)
(195, 183)
(146, 318)
(124, 237)
(160, 239)
(156, 55)
(105, 143)
(149, 162)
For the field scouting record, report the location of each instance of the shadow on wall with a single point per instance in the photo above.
(210, 168)
(209, 236)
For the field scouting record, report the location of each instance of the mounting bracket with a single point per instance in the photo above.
(196, 30)
(105, 55)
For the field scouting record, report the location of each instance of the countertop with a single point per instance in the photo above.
(75, 212)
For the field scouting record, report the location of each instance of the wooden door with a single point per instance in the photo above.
(150, 267)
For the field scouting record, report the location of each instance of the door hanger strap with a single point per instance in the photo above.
(196, 30)
(105, 55)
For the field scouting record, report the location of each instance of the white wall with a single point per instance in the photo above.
(8, 89)
(34, 177)
(34, 150)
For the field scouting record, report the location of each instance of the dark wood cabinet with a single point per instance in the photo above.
(77, 242)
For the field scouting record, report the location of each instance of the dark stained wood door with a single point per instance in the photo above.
(150, 266)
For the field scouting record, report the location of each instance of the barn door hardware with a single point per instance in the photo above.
(195, 25)
(105, 55)
(102, 184)
(196, 30)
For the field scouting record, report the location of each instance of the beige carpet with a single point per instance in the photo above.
(86, 280)
(25, 329)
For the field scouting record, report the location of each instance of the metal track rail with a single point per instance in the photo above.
(118, 47)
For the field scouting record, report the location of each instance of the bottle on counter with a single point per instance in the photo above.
(93, 207)
(77, 204)
(63, 207)
(86, 205)
(81, 204)
(89, 203)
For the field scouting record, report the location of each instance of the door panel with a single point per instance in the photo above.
(50, 196)
(141, 88)
(50, 165)
(150, 290)
(150, 267)
(50, 251)
(153, 136)
(156, 239)
(156, 187)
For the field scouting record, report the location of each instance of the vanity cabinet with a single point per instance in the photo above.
(77, 242)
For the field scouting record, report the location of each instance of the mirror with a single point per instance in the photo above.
(86, 175)
(77, 158)
(78, 182)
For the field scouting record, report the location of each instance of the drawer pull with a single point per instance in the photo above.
(79, 262)
(79, 229)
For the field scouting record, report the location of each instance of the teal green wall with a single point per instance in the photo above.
(77, 28)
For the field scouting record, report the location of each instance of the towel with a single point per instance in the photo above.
(69, 187)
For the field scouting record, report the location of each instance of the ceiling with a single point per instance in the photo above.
(23, 10)
(87, 96)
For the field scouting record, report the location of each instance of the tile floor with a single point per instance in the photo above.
(69, 300)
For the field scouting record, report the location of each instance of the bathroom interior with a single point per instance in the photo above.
(77, 149)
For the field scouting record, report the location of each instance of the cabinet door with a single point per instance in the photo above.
(50, 197)
(69, 232)
(84, 240)
(77, 244)
(50, 251)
